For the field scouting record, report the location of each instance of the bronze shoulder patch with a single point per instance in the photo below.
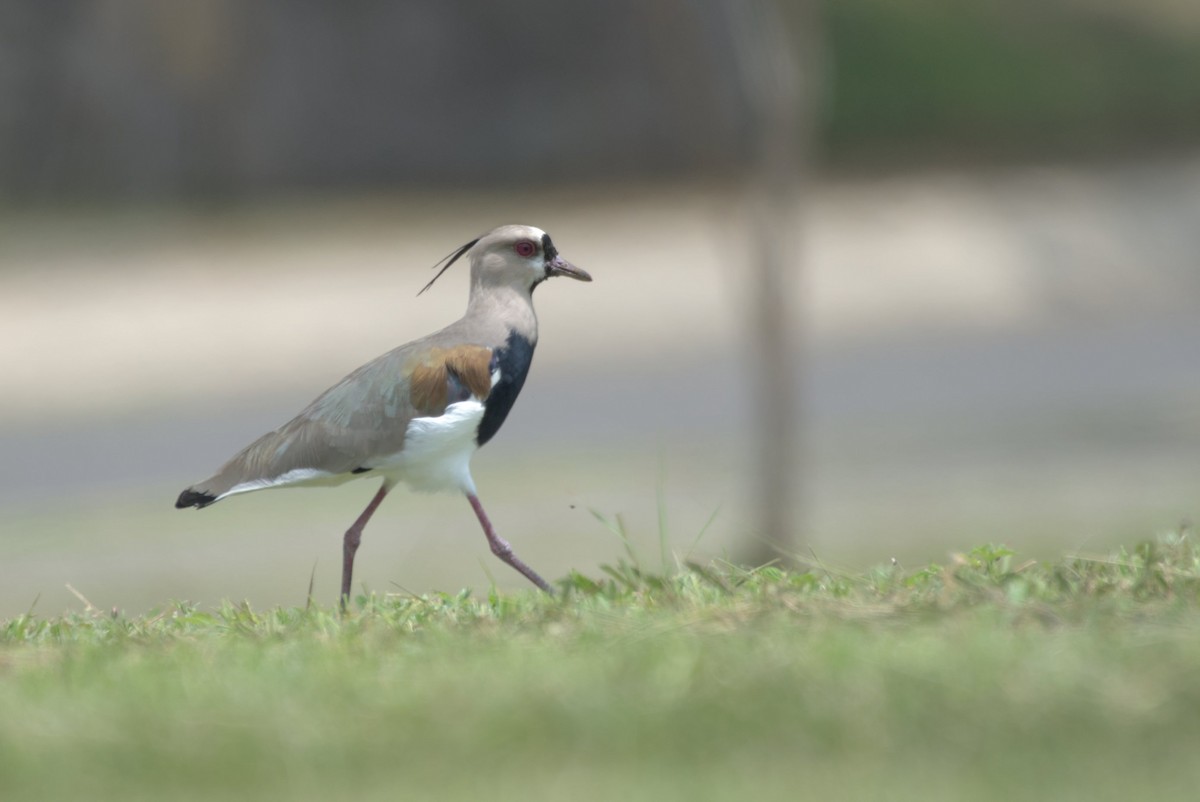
(444, 371)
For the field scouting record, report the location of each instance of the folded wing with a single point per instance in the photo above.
(361, 419)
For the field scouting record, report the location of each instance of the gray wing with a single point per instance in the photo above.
(362, 417)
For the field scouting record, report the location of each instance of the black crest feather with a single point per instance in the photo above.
(448, 260)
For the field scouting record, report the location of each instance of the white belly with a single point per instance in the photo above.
(437, 451)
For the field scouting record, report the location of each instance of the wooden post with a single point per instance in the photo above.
(777, 57)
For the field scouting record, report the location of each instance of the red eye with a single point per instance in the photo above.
(525, 248)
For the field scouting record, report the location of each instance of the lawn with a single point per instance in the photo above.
(989, 677)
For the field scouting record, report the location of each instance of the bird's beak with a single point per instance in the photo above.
(561, 267)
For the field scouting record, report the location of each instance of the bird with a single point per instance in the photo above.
(418, 413)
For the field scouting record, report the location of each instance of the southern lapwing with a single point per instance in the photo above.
(419, 412)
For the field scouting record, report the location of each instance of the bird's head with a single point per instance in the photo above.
(519, 257)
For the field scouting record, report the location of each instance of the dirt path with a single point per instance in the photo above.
(108, 313)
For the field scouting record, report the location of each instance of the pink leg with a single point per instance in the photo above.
(502, 549)
(352, 539)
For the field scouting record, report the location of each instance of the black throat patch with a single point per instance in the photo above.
(513, 359)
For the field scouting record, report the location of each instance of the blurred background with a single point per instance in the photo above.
(873, 280)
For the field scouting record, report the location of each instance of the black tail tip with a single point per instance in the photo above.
(191, 498)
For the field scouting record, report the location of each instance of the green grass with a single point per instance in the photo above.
(987, 678)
